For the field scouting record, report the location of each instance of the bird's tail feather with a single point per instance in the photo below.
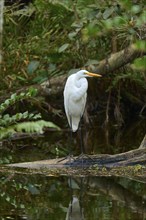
(75, 123)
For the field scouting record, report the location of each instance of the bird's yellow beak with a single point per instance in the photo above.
(93, 74)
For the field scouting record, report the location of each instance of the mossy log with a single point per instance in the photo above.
(128, 164)
(130, 158)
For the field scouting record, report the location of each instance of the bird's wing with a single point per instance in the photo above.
(76, 110)
(74, 103)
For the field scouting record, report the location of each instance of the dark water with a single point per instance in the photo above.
(63, 198)
(40, 198)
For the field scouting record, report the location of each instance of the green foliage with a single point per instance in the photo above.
(11, 124)
(54, 37)
(140, 64)
(16, 98)
(64, 35)
(28, 127)
(7, 120)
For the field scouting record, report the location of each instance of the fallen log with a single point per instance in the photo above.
(129, 164)
(130, 158)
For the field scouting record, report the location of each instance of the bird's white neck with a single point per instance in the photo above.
(79, 80)
(81, 85)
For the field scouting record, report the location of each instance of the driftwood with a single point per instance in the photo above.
(129, 164)
(130, 158)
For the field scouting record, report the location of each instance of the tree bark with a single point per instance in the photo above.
(119, 59)
(143, 143)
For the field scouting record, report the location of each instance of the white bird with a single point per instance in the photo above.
(75, 94)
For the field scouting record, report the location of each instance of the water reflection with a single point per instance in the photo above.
(96, 139)
(75, 210)
(65, 198)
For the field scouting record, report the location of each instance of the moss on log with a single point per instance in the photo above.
(130, 164)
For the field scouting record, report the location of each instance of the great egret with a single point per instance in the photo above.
(75, 94)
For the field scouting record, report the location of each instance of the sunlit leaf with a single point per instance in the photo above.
(140, 44)
(63, 48)
(136, 9)
(140, 63)
(28, 127)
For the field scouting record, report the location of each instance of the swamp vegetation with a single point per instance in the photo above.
(41, 43)
(47, 40)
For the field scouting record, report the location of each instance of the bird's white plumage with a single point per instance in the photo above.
(75, 94)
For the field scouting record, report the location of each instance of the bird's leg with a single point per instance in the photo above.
(69, 156)
(81, 142)
(83, 154)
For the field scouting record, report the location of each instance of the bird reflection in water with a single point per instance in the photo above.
(75, 210)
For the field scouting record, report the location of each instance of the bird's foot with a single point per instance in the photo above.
(84, 158)
(69, 158)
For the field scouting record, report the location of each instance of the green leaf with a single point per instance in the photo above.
(140, 63)
(40, 79)
(108, 12)
(63, 48)
(141, 45)
(28, 127)
(136, 9)
(33, 91)
(71, 35)
(36, 126)
(21, 78)
(32, 66)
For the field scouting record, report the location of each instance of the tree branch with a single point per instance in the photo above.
(114, 62)
(119, 59)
